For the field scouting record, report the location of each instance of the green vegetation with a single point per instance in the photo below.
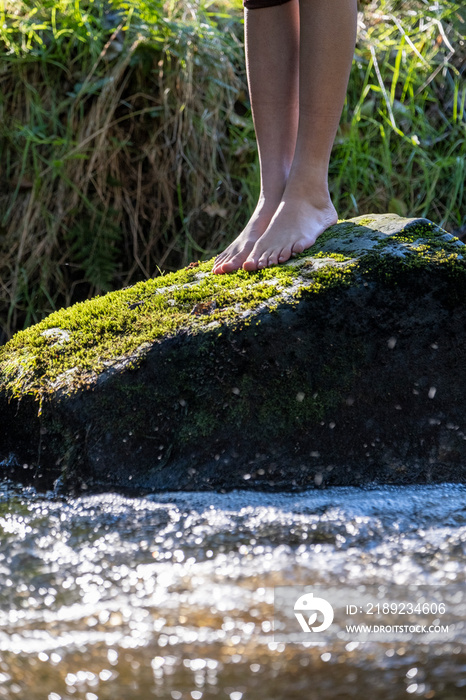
(72, 347)
(99, 333)
(401, 146)
(127, 146)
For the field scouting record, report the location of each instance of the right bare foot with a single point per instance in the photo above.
(234, 256)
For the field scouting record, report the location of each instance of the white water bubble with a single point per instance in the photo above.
(112, 656)
(157, 662)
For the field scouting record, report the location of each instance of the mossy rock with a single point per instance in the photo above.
(343, 366)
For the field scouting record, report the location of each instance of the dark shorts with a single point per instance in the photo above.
(256, 4)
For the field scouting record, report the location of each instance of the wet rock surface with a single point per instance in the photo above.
(344, 366)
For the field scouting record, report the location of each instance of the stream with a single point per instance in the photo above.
(177, 595)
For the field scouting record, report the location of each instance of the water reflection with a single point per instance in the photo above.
(171, 595)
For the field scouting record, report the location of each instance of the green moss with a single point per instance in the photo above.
(423, 237)
(72, 346)
(366, 221)
(339, 257)
(101, 330)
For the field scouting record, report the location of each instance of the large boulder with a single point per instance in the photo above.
(343, 366)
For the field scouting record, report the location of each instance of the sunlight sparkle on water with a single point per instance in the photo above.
(174, 592)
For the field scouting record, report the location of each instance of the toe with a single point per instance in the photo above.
(252, 260)
(285, 254)
(232, 264)
(217, 268)
(219, 260)
(273, 257)
(298, 247)
(250, 264)
(263, 260)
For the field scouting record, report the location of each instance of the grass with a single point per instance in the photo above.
(127, 146)
(401, 145)
(114, 146)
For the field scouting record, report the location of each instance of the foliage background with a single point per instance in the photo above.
(127, 146)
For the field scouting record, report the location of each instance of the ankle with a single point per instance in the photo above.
(274, 176)
(313, 192)
(306, 176)
(269, 200)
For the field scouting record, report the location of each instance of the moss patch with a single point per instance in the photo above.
(72, 347)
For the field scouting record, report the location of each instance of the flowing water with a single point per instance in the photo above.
(109, 597)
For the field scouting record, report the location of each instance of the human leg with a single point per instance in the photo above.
(272, 55)
(327, 39)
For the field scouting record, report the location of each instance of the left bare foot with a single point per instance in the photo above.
(295, 226)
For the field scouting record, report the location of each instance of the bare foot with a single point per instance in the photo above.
(234, 256)
(296, 225)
